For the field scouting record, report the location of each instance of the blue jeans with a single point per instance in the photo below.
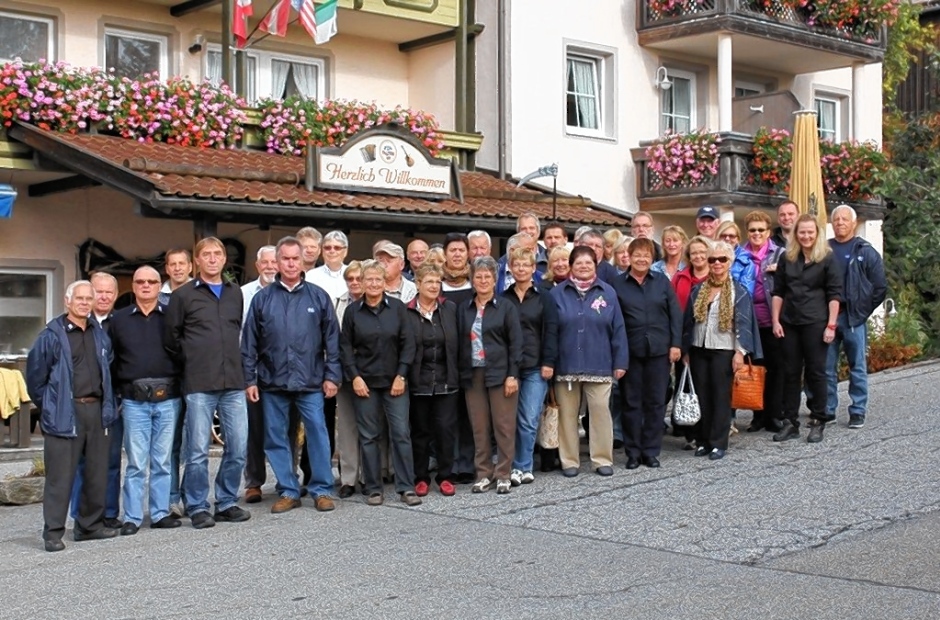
(112, 502)
(278, 440)
(148, 440)
(854, 341)
(233, 414)
(532, 391)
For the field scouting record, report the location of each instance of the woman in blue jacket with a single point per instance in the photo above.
(592, 347)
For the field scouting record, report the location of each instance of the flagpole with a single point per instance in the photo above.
(249, 44)
(258, 25)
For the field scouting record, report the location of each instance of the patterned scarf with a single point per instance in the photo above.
(725, 303)
(583, 285)
(456, 277)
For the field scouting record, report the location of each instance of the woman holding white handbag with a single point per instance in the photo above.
(719, 330)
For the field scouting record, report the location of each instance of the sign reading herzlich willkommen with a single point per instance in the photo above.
(386, 159)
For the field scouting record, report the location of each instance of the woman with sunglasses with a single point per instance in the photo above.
(719, 330)
(762, 254)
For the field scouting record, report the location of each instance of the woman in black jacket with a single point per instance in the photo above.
(804, 313)
(433, 380)
(490, 351)
(539, 320)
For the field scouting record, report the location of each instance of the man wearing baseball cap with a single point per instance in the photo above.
(392, 257)
(706, 222)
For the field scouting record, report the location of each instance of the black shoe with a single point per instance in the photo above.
(617, 444)
(856, 421)
(99, 534)
(232, 514)
(129, 529)
(114, 524)
(569, 472)
(632, 462)
(773, 425)
(466, 478)
(202, 520)
(54, 545)
(716, 454)
(605, 470)
(346, 491)
(166, 523)
(702, 451)
(789, 431)
(651, 461)
(753, 428)
(816, 432)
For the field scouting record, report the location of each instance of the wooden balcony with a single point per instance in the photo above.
(777, 38)
(736, 185)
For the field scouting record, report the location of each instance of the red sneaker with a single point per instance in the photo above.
(447, 488)
(421, 489)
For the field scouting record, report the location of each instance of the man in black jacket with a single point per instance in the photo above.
(203, 326)
(290, 351)
(865, 287)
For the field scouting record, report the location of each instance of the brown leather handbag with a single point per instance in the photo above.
(747, 390)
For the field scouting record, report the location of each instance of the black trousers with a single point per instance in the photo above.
(804, 354)
(643, 390)
(61, 457)
(773, 383)
(712, 376)
(329, 414)
(255, 470)
(466, 448)
(434, 418)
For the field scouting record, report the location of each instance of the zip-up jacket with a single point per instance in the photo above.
(538, 318)
(591, 335)
(502, 341)
(49, 378)
(865, 285)
(746, 328)
(202, 333)
(421, 379)
(290, 341)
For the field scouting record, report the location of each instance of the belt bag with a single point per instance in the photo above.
(152, 390)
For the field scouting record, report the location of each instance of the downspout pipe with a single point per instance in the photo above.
(502, 88)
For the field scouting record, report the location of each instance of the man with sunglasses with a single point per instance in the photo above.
(147, 379)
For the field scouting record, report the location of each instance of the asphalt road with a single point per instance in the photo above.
(849, 528)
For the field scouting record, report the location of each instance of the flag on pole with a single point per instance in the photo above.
(325, 22)
(275, 22)
(240, 17)
(308, 20)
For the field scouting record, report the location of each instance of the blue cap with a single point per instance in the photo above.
(707, 212)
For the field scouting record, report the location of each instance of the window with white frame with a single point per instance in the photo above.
(276, 75)
(28, 37)
(25, 307)
(677, 104)
(746, 89)
(829, 118)
(583, 93)
(131, 54)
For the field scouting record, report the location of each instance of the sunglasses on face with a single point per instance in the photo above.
(143, 282)
(757, 230)
(729, 236)
(717, 259)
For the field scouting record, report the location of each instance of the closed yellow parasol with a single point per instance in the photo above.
(806, 184)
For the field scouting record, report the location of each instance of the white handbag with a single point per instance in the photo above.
(685, 408)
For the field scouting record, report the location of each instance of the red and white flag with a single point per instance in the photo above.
(240, 17)
(275, 22)
(307, 11)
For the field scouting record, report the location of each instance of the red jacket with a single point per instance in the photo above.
(683, 282)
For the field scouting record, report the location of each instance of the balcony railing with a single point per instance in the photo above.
(736, 184)
(653, 14)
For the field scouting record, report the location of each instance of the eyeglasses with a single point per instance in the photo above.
(757, 230)
(150, 282)
(729, 236)
(717, 259)
(333, 248)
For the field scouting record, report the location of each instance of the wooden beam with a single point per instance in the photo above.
(191, 6)
(66, 184)
(436, 39)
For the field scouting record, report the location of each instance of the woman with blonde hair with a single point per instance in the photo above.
(558, 267)
(611, 237)
(674, 241)
(804, 313)
(719, 330)
(621, 254)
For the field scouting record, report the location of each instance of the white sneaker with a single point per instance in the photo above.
(515, 478)
(482, 486)
(503, 486)
(528, 477)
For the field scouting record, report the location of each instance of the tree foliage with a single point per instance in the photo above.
(907, 39)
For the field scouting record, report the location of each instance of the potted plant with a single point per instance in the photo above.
(682, 160)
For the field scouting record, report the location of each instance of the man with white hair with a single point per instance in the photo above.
(329, 275)
(266, 265)
(392, 257)
(865, 289)
(480, 244)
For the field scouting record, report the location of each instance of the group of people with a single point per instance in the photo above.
(435, 359)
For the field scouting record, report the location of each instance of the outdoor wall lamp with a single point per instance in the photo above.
(662, 79)
(890, 308)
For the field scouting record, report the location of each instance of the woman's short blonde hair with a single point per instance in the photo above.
(426, 270)
(521, 254)
(559, 251)
(674, 231)
(372, 265)
(726, 226)
(697, 240)
(612, 236)
(352, 268)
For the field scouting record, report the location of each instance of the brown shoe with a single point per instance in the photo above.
(324, 503)
(252, 495)
(284, 504)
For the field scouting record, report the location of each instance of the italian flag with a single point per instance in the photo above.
(326, 21)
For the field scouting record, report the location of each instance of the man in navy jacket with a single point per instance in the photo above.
(68, 377)
(290, 353)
